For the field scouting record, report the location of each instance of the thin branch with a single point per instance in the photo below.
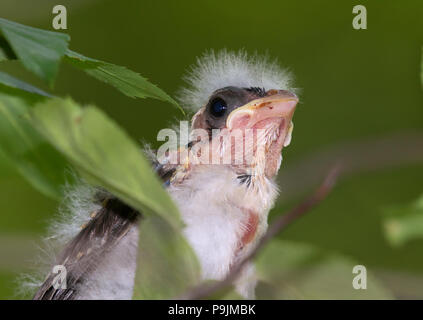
(206, 290)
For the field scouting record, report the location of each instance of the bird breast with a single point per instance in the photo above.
(224, 217)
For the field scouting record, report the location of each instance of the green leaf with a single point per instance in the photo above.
(12, 82)
(40, 51)
(403, 223)
(290, 270)
(104, 154)
(167, 265)
(126, 81)
(27, 151)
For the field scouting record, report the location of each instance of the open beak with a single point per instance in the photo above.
(277, 106)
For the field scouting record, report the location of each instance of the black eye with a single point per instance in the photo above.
(218, 107)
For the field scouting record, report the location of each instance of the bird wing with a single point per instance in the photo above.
(82, 254)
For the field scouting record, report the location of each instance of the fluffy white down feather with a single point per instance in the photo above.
(227, 68)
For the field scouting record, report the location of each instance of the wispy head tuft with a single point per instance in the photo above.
(226, 68)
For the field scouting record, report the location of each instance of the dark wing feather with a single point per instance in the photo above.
(81, 256)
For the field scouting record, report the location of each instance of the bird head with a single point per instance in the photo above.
(245, 127)
(244, 108)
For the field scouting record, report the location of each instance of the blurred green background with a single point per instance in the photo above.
(355, 85)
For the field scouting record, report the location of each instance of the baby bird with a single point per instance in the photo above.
(222, 182)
